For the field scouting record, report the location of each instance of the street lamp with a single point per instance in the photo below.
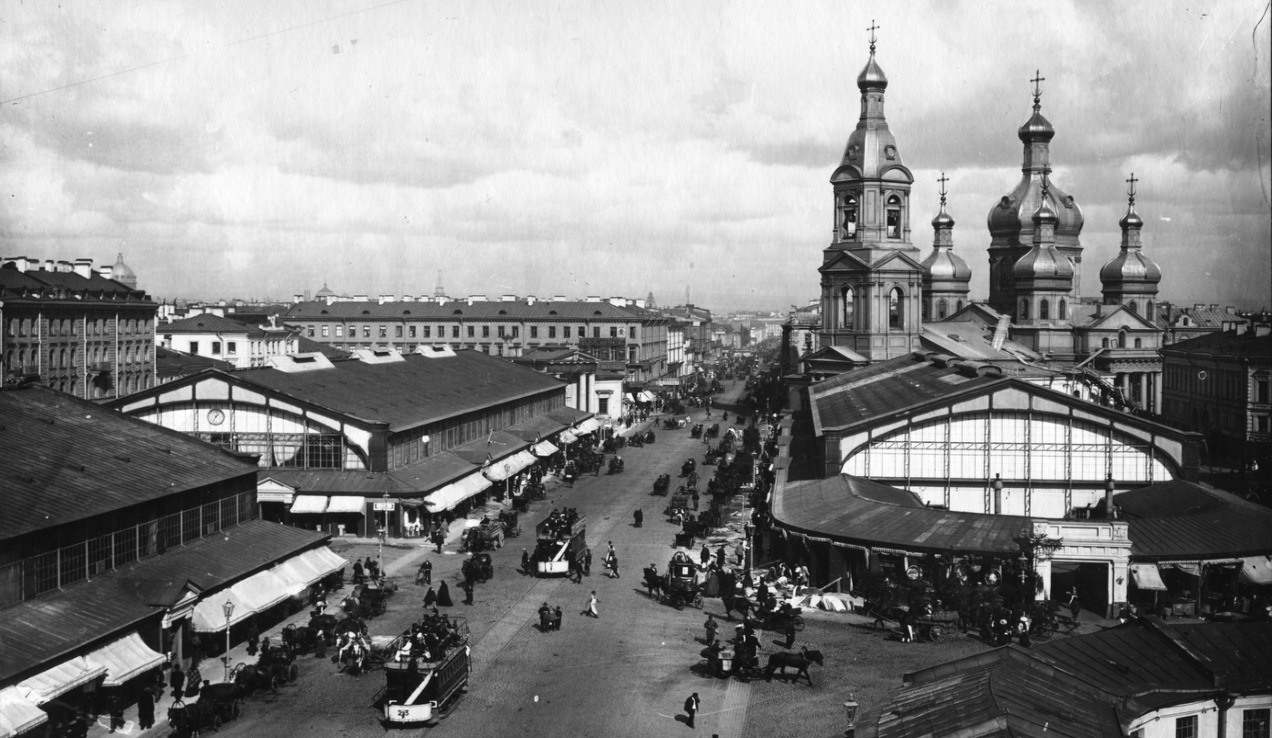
(850, 712)
(384, 531)
(228, 609)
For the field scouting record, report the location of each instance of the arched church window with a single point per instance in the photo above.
(848, 310)
(848, 218)
(960, 305)
(1121, 339)
(1064, 310)
(894, 217)
(1024, 310)
(1044, 310)
(1148, 309)
(923, 310)
(896, 309)
(941, 308)
(1133, 307)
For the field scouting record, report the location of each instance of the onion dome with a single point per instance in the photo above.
(1043, 261)
(123, 273)
(872, 76)
(1130, 266)
(943, 265)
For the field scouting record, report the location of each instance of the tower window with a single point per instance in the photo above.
(848, 218)
(1133, 307)
(1121, 339)
(1064, 310)
(941, 307)
(923, 310)
(1024, 310)
(1044, 310)
(1139, 343)
(894, 217)
(848, 309)
(896, 309)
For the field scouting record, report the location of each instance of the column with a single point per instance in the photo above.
(1044, 572)
(1143, 390)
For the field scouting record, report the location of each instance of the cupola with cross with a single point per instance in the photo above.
(870, 277)
(1011, 223)
(1131, 278)
(946, 277)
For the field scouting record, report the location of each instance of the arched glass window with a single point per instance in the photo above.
(848, 218)
(848, 309)
(1024, 310)
(1148, 309)
(1044, 310)
(960, 305)
(1121, 339)
(1064, 310)
(896, 309)
(894, 217)
(941, 308)
(1133, 307)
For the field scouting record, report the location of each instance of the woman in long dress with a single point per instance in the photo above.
(443, 595)
(430, 598)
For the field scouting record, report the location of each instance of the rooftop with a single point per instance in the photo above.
(476, 310)
(53, 284)
(208, 323)
(1184, 520)
(1227, 343)
(67, 459)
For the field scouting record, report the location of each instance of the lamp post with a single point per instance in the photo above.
(850, 712)
(384, 531)
(228, 609)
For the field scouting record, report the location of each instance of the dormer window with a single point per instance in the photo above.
(848, 218)
(894, 217)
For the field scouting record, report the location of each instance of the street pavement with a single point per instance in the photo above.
(626, 673)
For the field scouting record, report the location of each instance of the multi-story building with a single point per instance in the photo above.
(1219, 384)
(76, 328)
(609, 330)
(241, 345)
(1179, 323)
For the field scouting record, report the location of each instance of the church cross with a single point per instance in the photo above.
(1037, 87)
(1131, 190)
(943, 179)
(873, 27)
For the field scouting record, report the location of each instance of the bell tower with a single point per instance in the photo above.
(871, 281)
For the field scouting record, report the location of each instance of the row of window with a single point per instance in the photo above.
(942, 309)
(1044, 310)
(71, 326)
(848, 209)
(896, 309)
(268, 348)
(1254, 724)
(1230, 384)
(29, 359)
(426, 331)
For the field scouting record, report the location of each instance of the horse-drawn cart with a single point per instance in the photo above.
(681, 587)
(189, 720)
(486, 535)
(426, 687)
(662, 485)
(225, 698)
(562, 544)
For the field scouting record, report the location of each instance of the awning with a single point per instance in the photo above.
(587, 426)
(209, 617)
(501, 470)
(347, 504)
(260, 591)
(645, 397)
(1256, 570)
(456, 492)
(568, 436)
(311, 504)
(18, 714)
(59, 680)
(308, 568)
(124, 659)
(411, 503)
(1147, 576)
(544, 449)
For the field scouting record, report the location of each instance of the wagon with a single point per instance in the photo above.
(226, 698)
(190, 720)
(478, 567)
(681, 585)
(662, 484)
(511, 523)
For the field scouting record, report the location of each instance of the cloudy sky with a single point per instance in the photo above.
(248, 149)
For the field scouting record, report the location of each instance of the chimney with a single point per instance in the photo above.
(640, 302)
(530, 299)
(107, 272)
(1109, 511)
(476, 298)
(998, 494)
(386, 298)
(593, 298)
(1099, 309)
(65, 267)
(508, 298)
(1214, 306)
(84, 268)
(559, 298)
(21, 263)
(48, 265)
(297, 298)
(1199, 306)
(361, 298)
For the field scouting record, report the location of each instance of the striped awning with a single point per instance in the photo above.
(544, 449)
(504, 468)
(309, 504)
(18, 714)
(456, 492)
(124, 659)
(58, 680)
(308, 568)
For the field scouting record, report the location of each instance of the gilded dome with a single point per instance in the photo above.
(943, 265)
(1013, 213)
(1037, 128)
(1043, 262)
(1130, 265)
(871, 76)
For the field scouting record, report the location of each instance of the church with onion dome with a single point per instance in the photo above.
(882, 298)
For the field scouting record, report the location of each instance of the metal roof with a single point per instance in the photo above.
(1227, 343)
(209, 323)
(540, 310)
(1178, 519)
(39, 631)
(859, 511)
(67, 459)
(67, 287)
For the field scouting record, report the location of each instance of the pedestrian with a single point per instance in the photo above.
(740, 551)
(253, 636)
(611, 550)
(177, 680)
(711, 626)
(691, 708)
(721, 557)
(525, 560)
(320, 644)
(426, 571)
(146, 708)
(443, 595)
(592, 602)
(194, 680)
(373, 568)
(556, 618)
(438, 539)
(358, 575)
(587, 562)
(115, 706)
(695, 498)
(468, 591)
(430, 598)
(790, 633)
(706, 554)
(613, 565)
(639, 516)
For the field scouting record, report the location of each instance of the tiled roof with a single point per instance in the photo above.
(208, 323)
(1226, 343)
(67, 459)
(408, 393)
(1181, 520)
(69, 284)
(50, 627)
(543, 310)
(857, 510)
(1085, 686)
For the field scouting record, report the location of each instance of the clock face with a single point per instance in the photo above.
(216, 417)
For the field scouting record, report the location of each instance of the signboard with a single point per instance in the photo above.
(385, 506)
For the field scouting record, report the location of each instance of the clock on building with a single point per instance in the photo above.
(216, 417)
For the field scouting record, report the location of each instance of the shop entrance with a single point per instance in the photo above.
(1090, 579)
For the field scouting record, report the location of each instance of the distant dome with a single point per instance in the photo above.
(123, 273)
(324, 292)
(1130, 266)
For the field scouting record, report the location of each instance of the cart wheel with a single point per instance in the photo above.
(937, 634)
(1044, 631)
(216, 723)
(799, 623)
(236, 708)
(293, 672)
(273, 683)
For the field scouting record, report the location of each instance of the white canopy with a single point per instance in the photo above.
(315, 504)
(587, 426)
(18, 714)
(456, 492)
(59, 680)
(124, 659)
(568, 436)
(305, 569)
(504, 468)
(347, 504)
(1256, 569)
(544, 449)
(1147, 576)
(255, 594)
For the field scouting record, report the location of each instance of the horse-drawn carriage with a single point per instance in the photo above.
(366, 601)
(678, 504)
(662, 485)
(680, 586)
(687, 468)
(224, 698)
(649, 436)
(616, 465)
(713, 431)
(425, 685)
(696, 431)
(487, 534)
(561, 544)
(511, 522)
(188, 721)
(478, 568)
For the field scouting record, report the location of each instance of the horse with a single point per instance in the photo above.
(742, 605)
(352, 655)
(252, 678)
(300, 639)
(653, 582)
(800, 663)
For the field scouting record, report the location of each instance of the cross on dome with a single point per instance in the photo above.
(943, 179)
(1130, 191)
(1037, 87)
(873, 27)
